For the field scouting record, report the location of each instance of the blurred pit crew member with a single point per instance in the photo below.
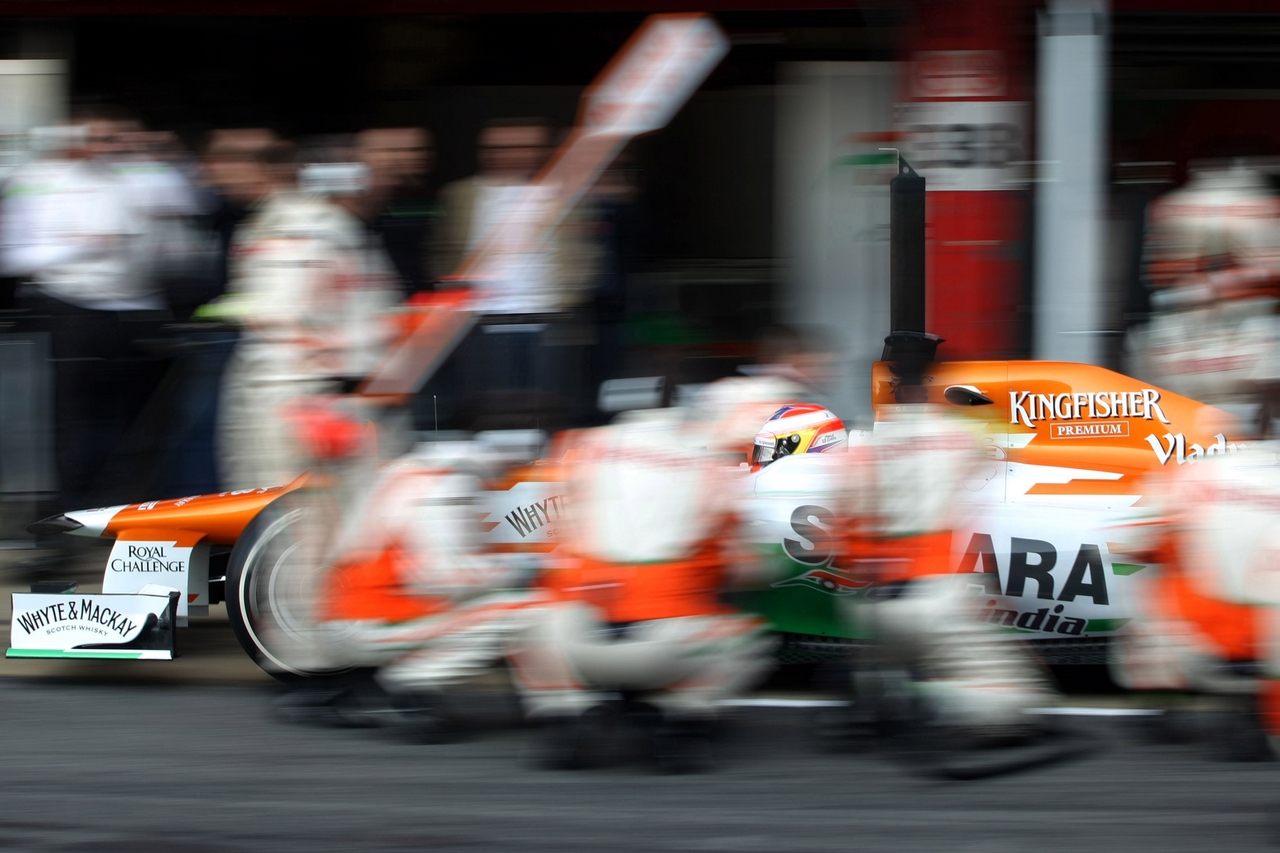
(1209, 609)
(311, 287)
(795, 365)
(413, 593)
(904, 497)
(632, 609)
(1212, 263)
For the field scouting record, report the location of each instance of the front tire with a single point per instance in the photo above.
(273, 582)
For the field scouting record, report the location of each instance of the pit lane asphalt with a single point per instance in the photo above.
(206, 768)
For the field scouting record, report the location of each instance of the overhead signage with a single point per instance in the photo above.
(966, 146)
(958, 74)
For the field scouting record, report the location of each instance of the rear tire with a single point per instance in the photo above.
(273, 581)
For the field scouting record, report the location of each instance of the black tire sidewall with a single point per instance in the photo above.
(237, 567)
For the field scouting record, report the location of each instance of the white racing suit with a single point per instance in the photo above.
(631, 603)
(725, 415)
(1212, 261)
(311, 289)
(412, 592)
(1209, 620)
(906, 492)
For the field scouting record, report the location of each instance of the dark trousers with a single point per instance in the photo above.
(189, 462)
(102, 382)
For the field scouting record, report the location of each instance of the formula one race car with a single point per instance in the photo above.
(1068, 445)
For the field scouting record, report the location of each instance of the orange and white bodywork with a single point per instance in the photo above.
(1070, 435)
(167, 543)
(1069, 450)
(219, 518)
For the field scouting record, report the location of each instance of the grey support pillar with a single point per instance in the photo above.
(1071, 141)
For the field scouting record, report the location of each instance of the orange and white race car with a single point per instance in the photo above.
(1069, 448)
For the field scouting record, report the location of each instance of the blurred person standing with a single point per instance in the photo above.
(236, 168)
(510, 152)
(71, 231)
(310, 287)
(197, 205)
(612, 224)
(399, 160)
(150, 164)
(531, 350)
(553, 278)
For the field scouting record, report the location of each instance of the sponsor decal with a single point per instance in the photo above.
(233, 494)
(966, 145)
(525, 520)
(1096, 429)
(813, 546)
(1027, 408)
(812, 526)
(1039, 620)
(826, 438)
(1033, 560)
(1107, 414)
(1171, 446)
(76, 614)
(1031, 563)
(92, 625)
(135, 563)
(1030, 576)
(833, 581)
(149, 557)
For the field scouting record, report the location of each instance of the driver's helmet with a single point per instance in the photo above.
(803, 428)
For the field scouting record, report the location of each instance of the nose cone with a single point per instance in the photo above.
(80, 522)
(52, 525)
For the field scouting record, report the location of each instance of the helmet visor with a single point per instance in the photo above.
(762, 454)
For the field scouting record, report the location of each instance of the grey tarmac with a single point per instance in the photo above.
(144, 767)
